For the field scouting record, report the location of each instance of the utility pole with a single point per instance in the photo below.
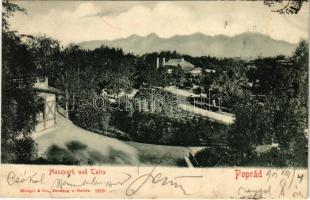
(209, 99)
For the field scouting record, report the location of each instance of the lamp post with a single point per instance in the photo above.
(219, 98)
(209, 99)
(152, 100)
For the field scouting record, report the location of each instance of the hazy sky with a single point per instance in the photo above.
(85, 20)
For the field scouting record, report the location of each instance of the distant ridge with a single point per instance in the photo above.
(198, 44)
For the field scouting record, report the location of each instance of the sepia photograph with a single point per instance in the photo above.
(178, 84)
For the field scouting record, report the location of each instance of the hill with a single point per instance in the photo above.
(244, 45)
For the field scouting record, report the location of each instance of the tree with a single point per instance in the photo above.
(19, 100)
(280, 115)
(206, 80)
(46, 55)
(214, 156)
(8, 11)
(162, 77)
(73, 75)
(118, 83)
(178, 76)
(231, 81)
(148, 75)
(197, 90)
(253, 126)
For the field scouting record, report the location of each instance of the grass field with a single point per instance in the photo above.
(101, 149)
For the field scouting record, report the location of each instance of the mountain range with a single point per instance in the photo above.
(245, 45)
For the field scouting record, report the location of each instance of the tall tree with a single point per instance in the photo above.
(280, 115)
(19, 101)
(46, 55)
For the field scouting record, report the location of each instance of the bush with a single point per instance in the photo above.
(214, 156)
(157, 128)
(26, 150)
(76, 146)
(164, 126)
(23, 150)
(163, 161)
(197, 90)
(272, 158)
(58, 155)
(89, 118)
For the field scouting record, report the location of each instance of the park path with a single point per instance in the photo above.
(226, 119)
(103, 149)
(182, 94)
(99, 145)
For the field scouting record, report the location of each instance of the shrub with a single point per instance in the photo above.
(58, 155)
(163, 161)
(26, 150)
(158, 128)
(272, 158)
(89, 118)
(197, 90)
(215, 156)
(76, 146)
(163, 126)
(23, 150)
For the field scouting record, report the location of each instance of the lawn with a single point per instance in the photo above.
(73, 144)
(150, 154)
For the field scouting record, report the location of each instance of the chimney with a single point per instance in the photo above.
(164, 61)
(157, 62)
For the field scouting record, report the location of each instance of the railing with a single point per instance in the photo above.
(202, 102)
(39, 81)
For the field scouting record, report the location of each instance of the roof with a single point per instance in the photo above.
(210, 70)
(197, 70)
(265, 147)
(30, 75)
(180, 62)
(49, 90)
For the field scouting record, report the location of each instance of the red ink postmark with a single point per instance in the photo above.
(247, 174)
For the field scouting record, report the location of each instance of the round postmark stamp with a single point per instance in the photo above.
(284, 6)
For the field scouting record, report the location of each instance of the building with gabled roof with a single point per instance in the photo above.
(186, 66)
(46, 118)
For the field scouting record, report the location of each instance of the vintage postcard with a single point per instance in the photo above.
(154, 99)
